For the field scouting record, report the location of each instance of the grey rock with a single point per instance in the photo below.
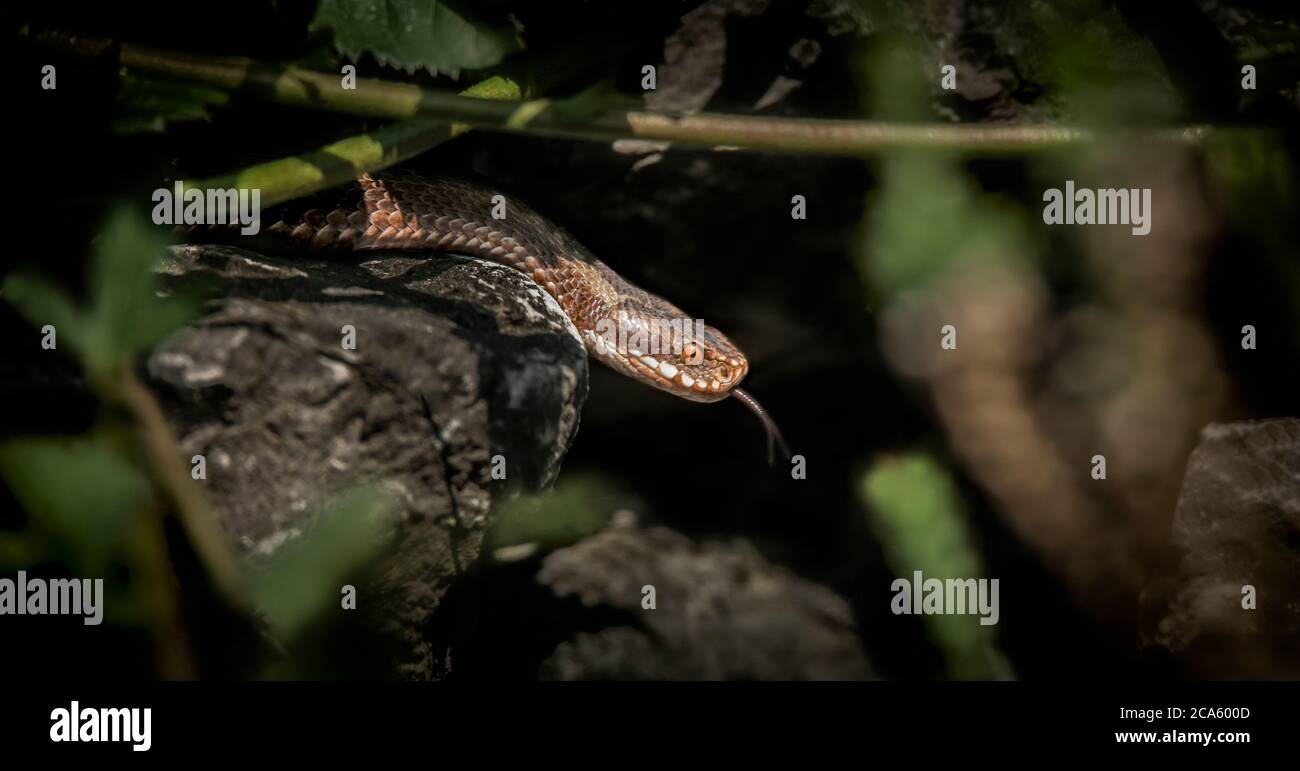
(722, 612)
(456, 360)
(1237, 524)
(695, 56)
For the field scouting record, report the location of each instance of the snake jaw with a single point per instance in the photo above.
(674, 378)
(701, 376)
(663, 379)
(670, 375)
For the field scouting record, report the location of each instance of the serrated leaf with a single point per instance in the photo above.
(409, 34)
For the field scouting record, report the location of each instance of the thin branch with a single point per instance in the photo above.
(173, 651)
(172, 475)
(578, 119)
(285, 179)
(338, 163)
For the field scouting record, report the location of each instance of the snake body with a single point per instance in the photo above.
(403, 211)
(400, 210)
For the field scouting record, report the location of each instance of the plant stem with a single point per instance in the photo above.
(578, 119)
(340, 162)
(172, 476)
(174, 655)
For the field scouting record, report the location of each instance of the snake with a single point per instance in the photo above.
(623, 326)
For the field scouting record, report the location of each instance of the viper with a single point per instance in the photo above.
(399, 210)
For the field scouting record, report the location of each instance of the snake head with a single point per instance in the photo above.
(684, 357)
(689, 359)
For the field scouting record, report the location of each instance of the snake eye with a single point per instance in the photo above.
(693, 353)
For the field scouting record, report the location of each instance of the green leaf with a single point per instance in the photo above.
(43, 302)
(147, 104)
(916, 512)
(927, 218)
(78, 488)
(433, 34)
(576, 507)
(495, 87)
(304, 578)
(1086, 58)
(20, 550)
(126, 316)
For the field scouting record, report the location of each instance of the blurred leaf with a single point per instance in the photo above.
(1255, 188)
(1088, 60)
(927, 215)
(434, 34)
(1251, 171)
(44, 302)
(916, 513)
(579, 505)
(927, 218)
(146, 104)
(75, 488)
(19, 550)
(126, 317)
(893, 85)
(305, 577)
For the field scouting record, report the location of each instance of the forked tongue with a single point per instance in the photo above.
(774, 437)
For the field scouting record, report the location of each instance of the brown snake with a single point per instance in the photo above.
(399, 210)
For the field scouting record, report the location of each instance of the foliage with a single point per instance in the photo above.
(81, 494)
(124, 317)
(146, 104)
(304, 577)
(927, 216)
(917, 514)
(99, 503)
(434, 34)
(579, 505)
(93, 502)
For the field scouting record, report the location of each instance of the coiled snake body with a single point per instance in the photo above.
(399, 210)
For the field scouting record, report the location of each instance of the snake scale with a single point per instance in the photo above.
(402, 211)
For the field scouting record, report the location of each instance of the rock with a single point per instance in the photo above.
(722, 612)
(1238, 524)
(455, 361)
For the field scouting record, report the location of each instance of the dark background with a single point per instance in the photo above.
(710, 231)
